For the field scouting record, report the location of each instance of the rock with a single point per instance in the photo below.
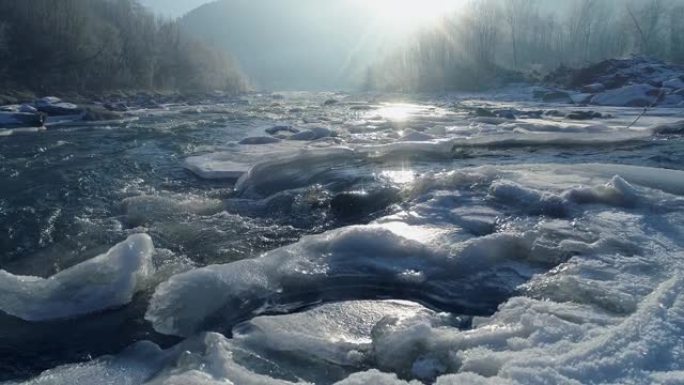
(21, 119)
(557, 97)
(278, 129)
(593, 88)
(313, 134)
(584, 115)
(100, 115)
(581, 98)
(48, 100)
(120, 107)
(53, 106)
(674, 84)
(535, 114)
(330, 102)
(27, 108)
(670, 128)
(615, 73)
(506, 114)
(485, 113)
(639, 95)
(259, 140)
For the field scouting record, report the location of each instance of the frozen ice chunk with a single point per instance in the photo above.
(106, 281)
(216, 166)
(351, 263)
(617, 192)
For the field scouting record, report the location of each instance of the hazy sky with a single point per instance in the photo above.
(173, 8)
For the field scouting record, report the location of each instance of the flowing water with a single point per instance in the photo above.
(389, 240)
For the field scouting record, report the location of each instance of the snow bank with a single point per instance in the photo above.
(106, 281)
(640, 95)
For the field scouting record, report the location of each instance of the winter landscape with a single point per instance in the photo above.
(341, 192)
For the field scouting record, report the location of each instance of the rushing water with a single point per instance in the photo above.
(419, 240)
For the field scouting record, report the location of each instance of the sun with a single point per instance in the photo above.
(410, 13)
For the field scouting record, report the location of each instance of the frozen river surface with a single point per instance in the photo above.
(298, 239)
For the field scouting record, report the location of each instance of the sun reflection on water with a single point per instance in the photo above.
(399, 177)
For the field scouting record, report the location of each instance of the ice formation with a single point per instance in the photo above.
(106, 281)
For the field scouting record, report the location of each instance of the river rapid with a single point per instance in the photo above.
(346, 239)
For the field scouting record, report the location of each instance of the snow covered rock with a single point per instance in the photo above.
(54, 106)
(639, 95)
(313, 134)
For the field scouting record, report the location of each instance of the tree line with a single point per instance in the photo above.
(493, 40)
(104, 45)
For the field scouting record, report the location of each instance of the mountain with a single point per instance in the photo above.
(103, 45)
(291, 45)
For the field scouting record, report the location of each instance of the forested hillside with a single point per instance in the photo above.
(103, 45)
(487, 39)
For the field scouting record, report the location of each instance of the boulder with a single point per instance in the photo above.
(21, 119)
(281, 129)
(584, 115)
(53, 106)
(314, 134)
(95, 114)
(557, 97)
(259, 140)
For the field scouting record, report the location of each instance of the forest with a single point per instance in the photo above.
(104, 45)
(489, 42)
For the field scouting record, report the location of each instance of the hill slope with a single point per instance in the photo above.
(303, 45)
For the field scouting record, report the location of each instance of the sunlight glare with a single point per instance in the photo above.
(410, 13)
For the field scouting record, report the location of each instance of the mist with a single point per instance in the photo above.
(344, 44)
